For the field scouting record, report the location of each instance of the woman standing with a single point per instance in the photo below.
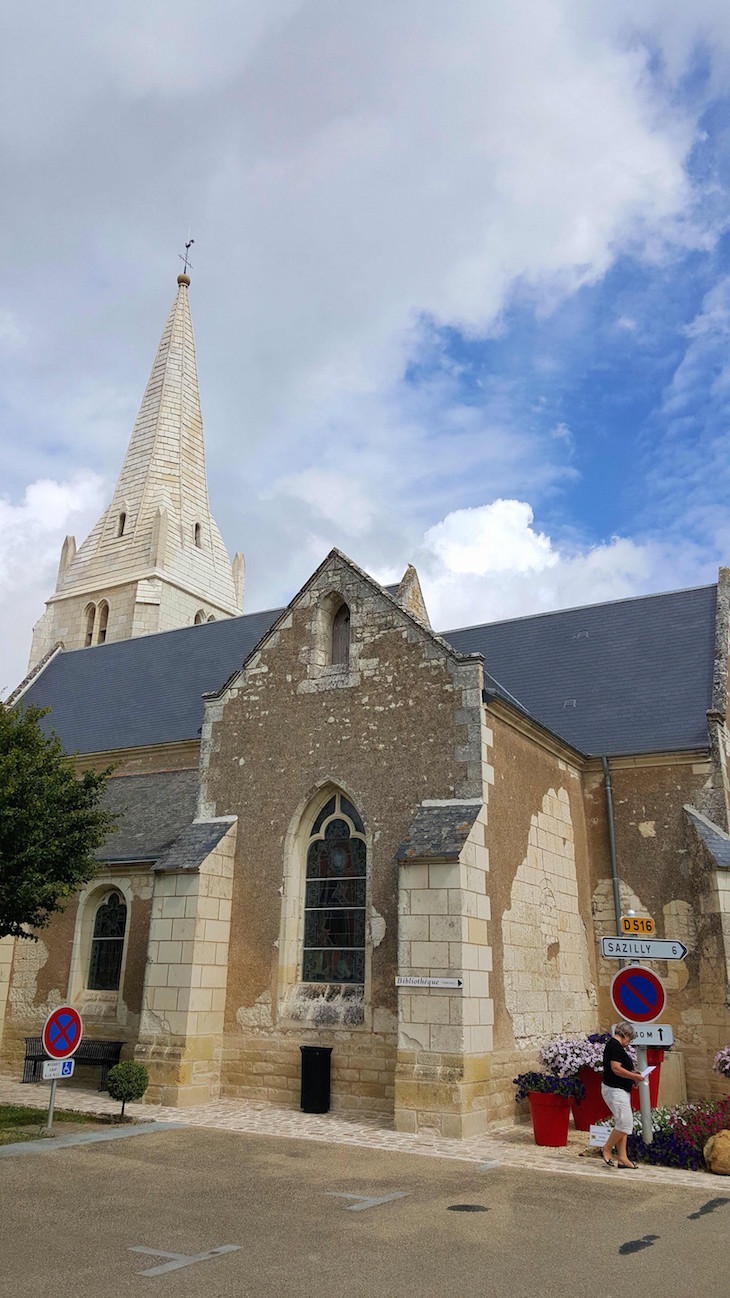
(619, 1078)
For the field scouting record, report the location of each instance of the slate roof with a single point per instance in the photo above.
(195, 843)
(715, 839)
(149, 690)
(438, 831)
(630, 676)
(155, 810)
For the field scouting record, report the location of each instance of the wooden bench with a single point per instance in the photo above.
(94, 1054)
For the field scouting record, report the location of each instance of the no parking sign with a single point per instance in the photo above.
(638, 994)
(62, 1032)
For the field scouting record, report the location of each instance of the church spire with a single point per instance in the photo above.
(155, 558)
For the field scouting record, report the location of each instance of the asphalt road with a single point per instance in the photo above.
(71, 1218)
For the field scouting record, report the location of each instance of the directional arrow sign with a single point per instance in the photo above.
(638, 948)
(429, 982)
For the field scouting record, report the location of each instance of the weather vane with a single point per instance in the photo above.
(185, 259)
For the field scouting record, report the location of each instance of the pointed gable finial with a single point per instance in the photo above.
(185, 259)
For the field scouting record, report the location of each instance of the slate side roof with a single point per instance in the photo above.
(155, 810)
(715, 839)
(630, 676)
(438, 831)
(133, 693)
(195, 843)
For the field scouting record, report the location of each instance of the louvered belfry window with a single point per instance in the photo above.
(334, 915)
(107, 945)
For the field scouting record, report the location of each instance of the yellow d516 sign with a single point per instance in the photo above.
(638, 924)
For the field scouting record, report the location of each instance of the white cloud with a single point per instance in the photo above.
(31, 536)
(350, 176)
(486, 564)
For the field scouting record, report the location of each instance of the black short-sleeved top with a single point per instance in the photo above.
(614, 1051)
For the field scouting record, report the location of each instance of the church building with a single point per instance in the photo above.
(322, 804)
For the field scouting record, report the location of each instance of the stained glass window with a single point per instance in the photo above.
(107, 944)
(334, 907)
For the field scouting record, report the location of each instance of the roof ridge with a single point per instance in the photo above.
(579, 608)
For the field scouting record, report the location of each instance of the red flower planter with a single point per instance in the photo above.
(550, 1117)
(591, 1108)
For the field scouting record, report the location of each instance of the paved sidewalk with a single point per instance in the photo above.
(506, 1144)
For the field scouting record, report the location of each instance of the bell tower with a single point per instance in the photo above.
(155, 560)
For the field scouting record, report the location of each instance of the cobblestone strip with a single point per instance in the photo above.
(506, 1143)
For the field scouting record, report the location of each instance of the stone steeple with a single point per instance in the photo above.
(155, 560)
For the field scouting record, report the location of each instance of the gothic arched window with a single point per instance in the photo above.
(334, 907)
(199, 617)
(103, 622)
(90, 612)
(341, 637)
(196, 535)
(107, 944)
(122, 524)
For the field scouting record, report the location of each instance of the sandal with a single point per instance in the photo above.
(631, 1167)
(608, 1161)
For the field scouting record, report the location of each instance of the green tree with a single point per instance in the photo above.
(127, 1081)
(51, 823)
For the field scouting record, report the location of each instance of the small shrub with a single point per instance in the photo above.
(127, 1081)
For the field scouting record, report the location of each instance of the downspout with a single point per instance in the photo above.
(612, 845)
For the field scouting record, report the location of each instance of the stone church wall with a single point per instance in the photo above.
(543, 949)
(54, 970)
(663, 873)
(388, 731)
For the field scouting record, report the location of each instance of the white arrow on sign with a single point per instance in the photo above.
(638, 948)
(429, 982)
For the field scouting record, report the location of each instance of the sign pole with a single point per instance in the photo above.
(51, 1104)
(644, 1097)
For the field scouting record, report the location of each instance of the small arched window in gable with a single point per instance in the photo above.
(211, 618)
(107, 945)
(121, 524)
(90, 614)
(196, 535)
(341, 637)
(199, 617)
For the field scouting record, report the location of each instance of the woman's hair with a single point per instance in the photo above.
(626, 1030)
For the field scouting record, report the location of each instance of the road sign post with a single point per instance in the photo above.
(638, 996)
(61, 1037)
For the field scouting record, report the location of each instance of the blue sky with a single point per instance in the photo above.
(461, 287)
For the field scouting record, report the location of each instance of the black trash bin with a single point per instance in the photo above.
(315, 1096)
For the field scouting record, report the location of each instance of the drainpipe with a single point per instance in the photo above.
(612, 845)
(645, 1103)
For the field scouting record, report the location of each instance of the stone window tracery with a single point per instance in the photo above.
(334, 906)
(107, 945)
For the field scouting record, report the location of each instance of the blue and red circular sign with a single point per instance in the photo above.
(638, 994)
(62, 1032)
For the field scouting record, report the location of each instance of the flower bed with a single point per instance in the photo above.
(680, 1134)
